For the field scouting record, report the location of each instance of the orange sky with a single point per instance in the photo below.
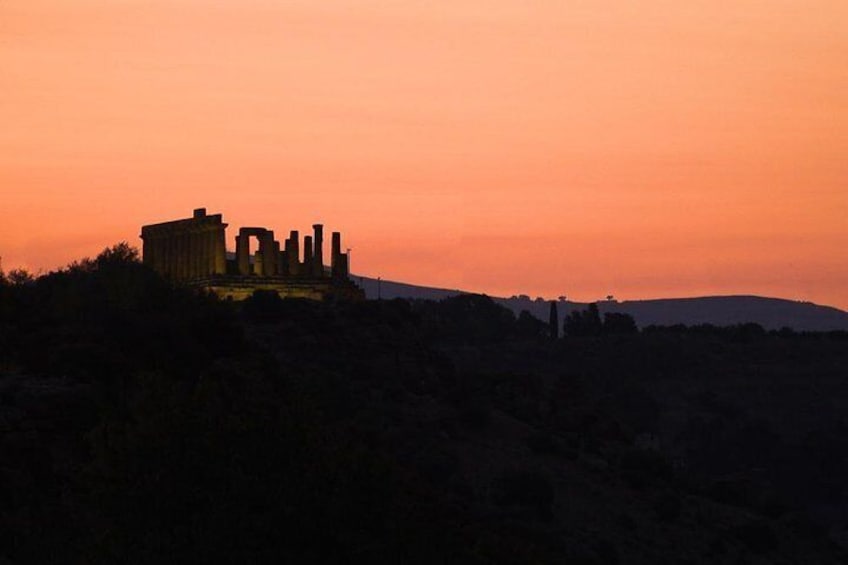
(637, 148)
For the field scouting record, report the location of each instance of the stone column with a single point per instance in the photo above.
(146, 244)
(178, 256)
(269, 258)
(200, 262)
(293, 252)
(202, 257)
(185, 256)
(170, 245)
(307, 255)
(278, 258)
(203, 261)
(220, 251)
(318, 255)
(175, 254)
(344, 267)
(284, 261)
(167, 244)
(192, 254)
(166, 255)
(172, 255)
(243, 253)
(335, 251)
(149, 251)
(211, 251)
(258, 259)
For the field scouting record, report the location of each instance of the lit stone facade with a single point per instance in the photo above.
(193, 251)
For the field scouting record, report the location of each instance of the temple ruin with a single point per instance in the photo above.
(192, 251)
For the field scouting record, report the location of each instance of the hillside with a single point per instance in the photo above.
(142, 423)
(771, 313)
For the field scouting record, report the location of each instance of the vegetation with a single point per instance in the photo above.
(553, 321)
(142, 423)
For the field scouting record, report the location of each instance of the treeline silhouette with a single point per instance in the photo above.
(146, 423)
(187, 442)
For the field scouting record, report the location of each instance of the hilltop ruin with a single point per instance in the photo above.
(192, 251)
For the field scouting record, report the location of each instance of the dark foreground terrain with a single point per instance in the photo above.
(145, 424)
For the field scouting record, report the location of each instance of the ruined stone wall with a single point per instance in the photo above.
(193, 250)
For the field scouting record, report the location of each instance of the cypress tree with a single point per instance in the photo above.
(554, 320)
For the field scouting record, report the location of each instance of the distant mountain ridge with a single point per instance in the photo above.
(771, 313)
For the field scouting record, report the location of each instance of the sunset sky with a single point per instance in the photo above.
(650, 148)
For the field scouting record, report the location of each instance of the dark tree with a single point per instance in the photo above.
(19, 277)
(619, 323)
(121, 253)
(472, 318)
(554, 320)
(528, 325)
(583, 322)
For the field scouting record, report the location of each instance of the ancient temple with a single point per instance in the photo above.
(193, 251)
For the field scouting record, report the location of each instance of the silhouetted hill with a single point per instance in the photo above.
(392, 289)
(771, 313)
(144, 423)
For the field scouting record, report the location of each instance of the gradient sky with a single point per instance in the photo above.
(649, 148)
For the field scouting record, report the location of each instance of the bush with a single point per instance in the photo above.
(583, 322)
(619, 323)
